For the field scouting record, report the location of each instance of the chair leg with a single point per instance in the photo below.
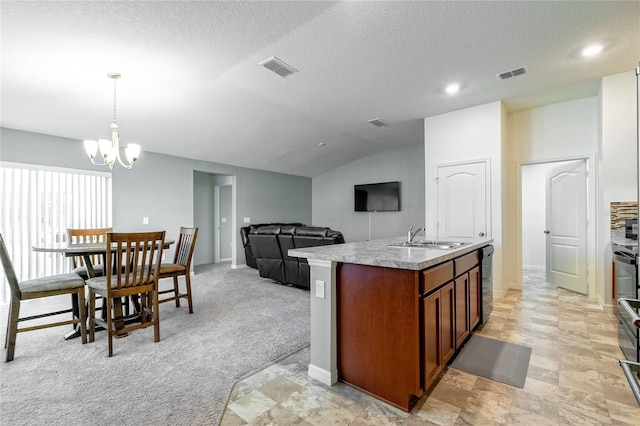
(144, 305)
(110, 325)
(82, 309)
(187, 278)
(12, 328)
(6, 335)
(156, 313)
(92, 314)
(176, 291)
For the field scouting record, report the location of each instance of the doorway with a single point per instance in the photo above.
(214, 214)
(554, 231)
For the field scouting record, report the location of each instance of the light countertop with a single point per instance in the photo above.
(378, 253)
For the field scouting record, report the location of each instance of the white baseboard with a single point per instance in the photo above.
(322, 375)
(240, 266)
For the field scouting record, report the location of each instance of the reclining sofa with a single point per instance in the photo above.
(267, 246)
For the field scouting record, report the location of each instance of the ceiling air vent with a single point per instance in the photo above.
(278, 66)
(511, 73)
(377, 122)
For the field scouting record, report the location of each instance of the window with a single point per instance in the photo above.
(38, 204)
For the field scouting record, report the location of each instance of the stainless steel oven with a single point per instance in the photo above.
(626, 284)
(628, 312)
(629, 317)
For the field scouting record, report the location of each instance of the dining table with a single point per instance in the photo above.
(86, 251)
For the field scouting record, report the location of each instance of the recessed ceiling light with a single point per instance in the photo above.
(592, 50)
(452, 88)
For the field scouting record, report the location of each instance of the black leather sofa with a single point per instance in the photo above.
(267, 246)
(244, 236)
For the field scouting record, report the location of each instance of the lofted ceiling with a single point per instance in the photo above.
(191, 85)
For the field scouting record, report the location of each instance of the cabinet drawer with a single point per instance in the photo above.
(437, 276)
(466, 262)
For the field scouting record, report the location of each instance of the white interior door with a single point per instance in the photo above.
(566, 231)
(462, 202)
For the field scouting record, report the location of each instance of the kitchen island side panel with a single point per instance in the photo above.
(378, 322)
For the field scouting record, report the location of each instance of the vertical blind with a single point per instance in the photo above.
(38, 204)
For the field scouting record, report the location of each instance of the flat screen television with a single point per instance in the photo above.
(377, 197)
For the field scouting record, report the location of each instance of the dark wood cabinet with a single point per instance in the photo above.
(432, 365)
(398, 328)
(475, 297)
(447, 329)
(438, 332)
(462, 309)
(468, 295)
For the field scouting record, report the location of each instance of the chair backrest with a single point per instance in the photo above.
(7, 265)
(186, 246)
(87, 236)
(135, 257)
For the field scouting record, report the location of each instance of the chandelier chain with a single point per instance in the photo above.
(114, 99)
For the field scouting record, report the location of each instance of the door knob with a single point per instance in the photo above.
(547, 231)
(481, 234)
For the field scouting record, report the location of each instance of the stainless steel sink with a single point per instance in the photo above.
(445, 245)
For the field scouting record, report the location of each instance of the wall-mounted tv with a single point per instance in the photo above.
(377, 197)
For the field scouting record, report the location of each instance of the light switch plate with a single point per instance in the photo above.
(320, 289)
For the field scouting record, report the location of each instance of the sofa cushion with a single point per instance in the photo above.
(266, 230)
(312, 231)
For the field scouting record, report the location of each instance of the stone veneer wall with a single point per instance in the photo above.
(621, 210)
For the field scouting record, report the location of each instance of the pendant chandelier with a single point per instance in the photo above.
(110, 149)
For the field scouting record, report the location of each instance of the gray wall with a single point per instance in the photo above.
(161, 187)
(333, 203)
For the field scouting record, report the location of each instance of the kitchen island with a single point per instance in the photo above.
(387, 319)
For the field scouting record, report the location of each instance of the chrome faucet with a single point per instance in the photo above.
(412, 233)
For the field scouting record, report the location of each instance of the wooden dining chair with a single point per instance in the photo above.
(136, 258)
(181, 266)
(88, 236)
(38, 288)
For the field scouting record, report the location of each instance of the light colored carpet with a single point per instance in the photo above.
(241, 324)
(495, 360)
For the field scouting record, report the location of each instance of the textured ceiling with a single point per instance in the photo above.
(191, 85)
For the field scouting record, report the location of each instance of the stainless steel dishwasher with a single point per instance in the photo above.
(486, 272)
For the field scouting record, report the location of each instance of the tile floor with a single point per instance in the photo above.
(573, 377)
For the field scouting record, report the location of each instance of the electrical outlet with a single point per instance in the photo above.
(320, 289)
(145, 220)
(247, 220)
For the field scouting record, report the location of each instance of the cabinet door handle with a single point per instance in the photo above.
(481, 234)
(547, 231)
